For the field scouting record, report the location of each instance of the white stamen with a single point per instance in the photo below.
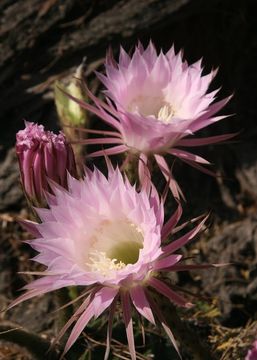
(138, 229)
(166, 113)
(101, 263)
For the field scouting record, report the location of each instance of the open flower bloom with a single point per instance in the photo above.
(252, 354)
(105, 235)
(43, 156)
(155, 101)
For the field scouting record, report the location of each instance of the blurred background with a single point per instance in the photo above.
(45, 41)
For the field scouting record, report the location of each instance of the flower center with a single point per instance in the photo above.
(152, 106)
(113, 245)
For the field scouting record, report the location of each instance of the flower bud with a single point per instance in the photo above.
(69, 112)
(43, 156)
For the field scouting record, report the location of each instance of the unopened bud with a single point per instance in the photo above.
(43, 156)
(69, 112)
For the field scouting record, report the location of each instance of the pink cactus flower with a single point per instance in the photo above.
(43, 156)
(252, 354)
(155, 102)
(105, 235)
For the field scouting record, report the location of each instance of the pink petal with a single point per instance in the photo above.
(124, 58)
(109, 329)
(177, 244)
(182, 267)
(206, 140)
(206, 119)
(94, 141)
(182, 154)
(30, 227)
(174, 187)
(170, 294)
(110, 58)
(144, 173)
(99, 103)
(171, 223)
(101, 300)
(141, 303)
(28, 295)
(150, 55)
(111, 151)
(78, 328)
(91, 131)
(182, 226)
(167, 262)
(74, 317)
(215, 107)
(126, 307)
(44, 214)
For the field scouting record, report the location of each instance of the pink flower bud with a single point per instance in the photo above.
(43, 156)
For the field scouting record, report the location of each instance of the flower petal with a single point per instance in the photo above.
(174, 187)
(109, 329)
(171, 223)
(206, 140)
(95, 308)
(188, 156)
(126, 307)
(167, 262)
(141, 303)
(177, 244)
(169, 293)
